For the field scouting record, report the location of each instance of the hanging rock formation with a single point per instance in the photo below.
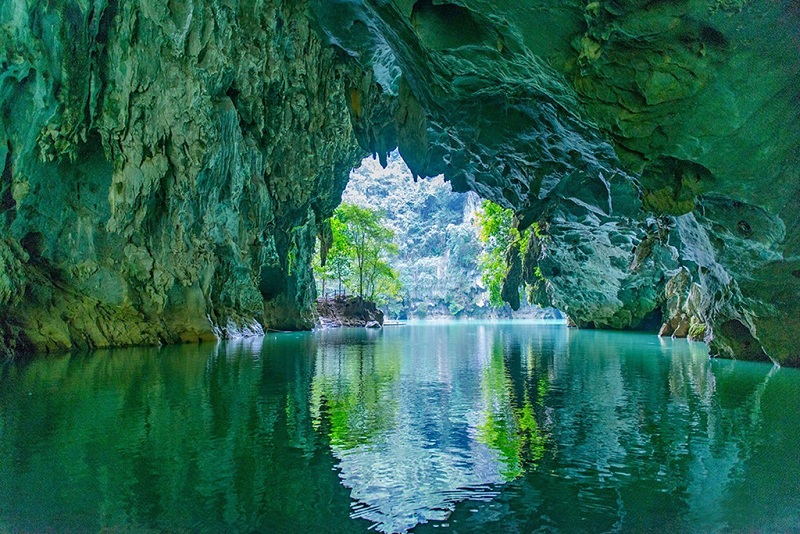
(166, 164)
(656, 146)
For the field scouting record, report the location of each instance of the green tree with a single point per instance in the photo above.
(382, 283)
(359, 254)
(370, 245)
(438, 243)
(497, 232)
(337, 266)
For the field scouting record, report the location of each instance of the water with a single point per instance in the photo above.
(473, 427)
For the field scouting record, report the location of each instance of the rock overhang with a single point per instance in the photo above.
(655, 140)
(165, 169)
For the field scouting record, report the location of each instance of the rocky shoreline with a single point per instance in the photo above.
(343, 311)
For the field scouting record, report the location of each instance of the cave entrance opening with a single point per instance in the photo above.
(433, 254)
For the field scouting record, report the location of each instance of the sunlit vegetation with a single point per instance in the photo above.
(451, 258)
(419, 250)
(498, 233)
(358, 258)
(437, 239)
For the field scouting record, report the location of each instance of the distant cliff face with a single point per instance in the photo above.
(165, 165)
(656, 144)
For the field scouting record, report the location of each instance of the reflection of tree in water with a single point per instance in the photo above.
(648, 435)
(422, 424)
(508, 422)
(355, 390)
(562, 430)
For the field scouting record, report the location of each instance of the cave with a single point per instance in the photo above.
(647, 165)
(170, 174)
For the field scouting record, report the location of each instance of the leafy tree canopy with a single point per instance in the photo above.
(497, 232)
(357, 260)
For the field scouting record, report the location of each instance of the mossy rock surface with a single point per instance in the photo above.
(161, 165)
(164, 169)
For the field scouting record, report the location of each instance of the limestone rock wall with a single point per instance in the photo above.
(165, 165)
(654, 144)
(164, 168)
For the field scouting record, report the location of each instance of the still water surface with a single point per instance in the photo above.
(461, 427)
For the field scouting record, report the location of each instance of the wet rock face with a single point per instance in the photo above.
(654, 144)
(165, 165)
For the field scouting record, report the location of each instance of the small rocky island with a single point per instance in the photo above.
(343, 310)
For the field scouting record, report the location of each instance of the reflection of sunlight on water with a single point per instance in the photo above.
(599, 431)
(419, 426)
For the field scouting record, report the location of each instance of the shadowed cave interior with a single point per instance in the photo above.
(167, 169)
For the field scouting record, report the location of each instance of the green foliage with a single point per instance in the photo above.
(371, 242)
(537, 231)
(338, 263)
(382, 283)
(359, 254)
(347, 391)
(497, 232)
(697, 330)
(493, 266)
(509, 425)
(494, 223)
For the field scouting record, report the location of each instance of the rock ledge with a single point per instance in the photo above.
(348, 311)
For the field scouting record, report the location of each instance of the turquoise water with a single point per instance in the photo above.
(462, 427)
